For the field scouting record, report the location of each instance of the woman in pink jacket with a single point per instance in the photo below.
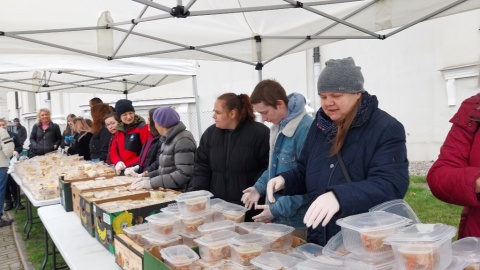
(455, 176)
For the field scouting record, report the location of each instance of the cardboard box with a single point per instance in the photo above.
(128, 254)
(107, 224)
(66, 192)
(75, 195)
(86, 205)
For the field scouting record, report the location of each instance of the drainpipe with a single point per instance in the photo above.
(316, 74)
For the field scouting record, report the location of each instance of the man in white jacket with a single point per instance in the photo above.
(6, 147)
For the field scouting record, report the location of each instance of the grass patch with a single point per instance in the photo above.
(35, 245)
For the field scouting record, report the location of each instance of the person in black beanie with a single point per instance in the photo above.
(132, 133)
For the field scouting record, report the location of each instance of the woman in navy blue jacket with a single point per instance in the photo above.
(349, 126)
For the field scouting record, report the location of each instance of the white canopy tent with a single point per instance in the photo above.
(249, 31)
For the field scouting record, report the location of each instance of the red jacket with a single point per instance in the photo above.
(452, 177)
(128, 150)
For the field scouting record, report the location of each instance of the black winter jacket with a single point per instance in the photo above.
(42, 142)
(81, 145)
(229, 161)
(100, 143)
(151, 159)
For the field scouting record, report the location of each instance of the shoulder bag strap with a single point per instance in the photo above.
(344, 170)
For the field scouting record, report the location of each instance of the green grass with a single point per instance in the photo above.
(428, 209)
(35, 245)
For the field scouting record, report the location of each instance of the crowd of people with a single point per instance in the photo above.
(303, 172)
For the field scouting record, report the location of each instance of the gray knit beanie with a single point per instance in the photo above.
(340, 76)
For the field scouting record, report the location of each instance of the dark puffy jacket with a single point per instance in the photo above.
(100, 143)
(375, 156)
(229, 161)
(81, 145)
(42, 142)
(16, 141)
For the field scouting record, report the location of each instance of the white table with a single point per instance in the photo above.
(78, 248)
(31, 201)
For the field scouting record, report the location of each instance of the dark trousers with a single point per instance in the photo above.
(11, 192)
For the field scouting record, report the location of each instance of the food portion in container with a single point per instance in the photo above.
(272, 260)
(163, 224)
(245, 247)
(215, 246)
(468, 248)
(194, 202)
(179, 257)
(280, 234)
(136, 233)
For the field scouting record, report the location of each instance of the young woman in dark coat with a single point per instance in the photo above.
(81, 142)
(100, 142)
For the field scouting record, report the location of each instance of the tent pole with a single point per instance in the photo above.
(197, 104)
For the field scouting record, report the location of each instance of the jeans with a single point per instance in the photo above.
(3, 186)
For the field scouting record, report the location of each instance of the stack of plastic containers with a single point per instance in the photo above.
(275, 261)
(214, 246)
(163, 230)
(245, 247)
(136, 233)
(179, 257)
(216, 226)
(307, 251)
(423, 246)
(468, 249)
(248, 227)
(231, 211)
(281, 236)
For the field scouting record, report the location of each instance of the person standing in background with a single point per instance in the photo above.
(6, 152)
(68, 133)
(21, 131)
(287, 136)
(101, 136)
(111, 122)
(45, 136)
(81, 141)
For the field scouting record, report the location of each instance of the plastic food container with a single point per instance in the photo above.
(163, 224)
(217, 226)
(171, 209)
(456, 264)
(307, 251)
(135, 233)
(324, 263)
(280, 234)
(203, 264)
(398, 207)
(423, 246)
(335, 247)
(274, 261)
(468, 248)
(231, 211)
(363, 234)
(248, 227)
(378, 263)
(248, 246)
(189, 237)
(193, 203)
(179, 257)
(154, 240)
(232, 266)
(215, 246)
(190, 224)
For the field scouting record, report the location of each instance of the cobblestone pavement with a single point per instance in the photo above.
(9, 257)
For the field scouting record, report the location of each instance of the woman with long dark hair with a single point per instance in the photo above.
(101, 136)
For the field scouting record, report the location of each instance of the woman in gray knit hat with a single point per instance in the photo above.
(354, 157)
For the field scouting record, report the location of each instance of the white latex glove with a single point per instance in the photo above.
(16, 154)
(265, 215)
(143, 184)
(323, 208)
(275, 184)
(119, 167)
(250, 197)
(135, 168)
(130, 171)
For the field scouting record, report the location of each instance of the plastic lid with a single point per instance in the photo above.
(323, 263)
(398, 207)
(217, 225)
(468, 248)
(272, 260)
(209, 264)
(335, 247)
(370, 263)
(251, 238)
(215, 202)
(227, 207)
(190, 235)
(249, 226)
(171, 209)
(180, 254)
(425, 233)
(271, 229)
(160, 240)
(457, 264)
(373, 221)
(162, 218)
(215, 238)
(137, 229)
(193, 195)
(309, 250)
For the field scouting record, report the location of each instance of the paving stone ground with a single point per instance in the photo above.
(12, 251)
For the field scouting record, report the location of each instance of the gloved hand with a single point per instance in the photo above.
(275, 184)
(130, 171)
(16, 154)
(250, 197)
(323, 208)
(142, 184)
(265, 215)
(119, 167)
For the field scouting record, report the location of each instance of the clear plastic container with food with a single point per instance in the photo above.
(335, 246)
(135, 233)
(275, 261)
(231, 211)
(189, 237)
(233, 266)
(155, 240)
(248, 227)
(363, 234)
(190, 224)
(468, 248)
(280, 234)
(171, 209)
(398, 207)
(423, 246)
(217, 226)
(324, 263)
(193, 203)
(203, 264)
(307, 251)
(215, 246)
(245, 247)
(163, 224)
(384, 262)
(179, 257)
